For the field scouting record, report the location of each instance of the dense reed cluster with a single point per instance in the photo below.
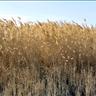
(47, 59)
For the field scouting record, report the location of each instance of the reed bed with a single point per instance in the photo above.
(47, 59)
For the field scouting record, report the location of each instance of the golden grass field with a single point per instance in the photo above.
(47, 59)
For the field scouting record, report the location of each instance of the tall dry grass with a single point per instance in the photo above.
(47, 59)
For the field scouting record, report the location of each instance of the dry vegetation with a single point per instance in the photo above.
(47, 59)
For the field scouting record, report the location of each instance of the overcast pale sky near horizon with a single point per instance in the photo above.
(52, 10)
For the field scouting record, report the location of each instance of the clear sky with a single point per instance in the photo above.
(52, 10)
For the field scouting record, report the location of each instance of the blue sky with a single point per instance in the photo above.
(52, 10)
